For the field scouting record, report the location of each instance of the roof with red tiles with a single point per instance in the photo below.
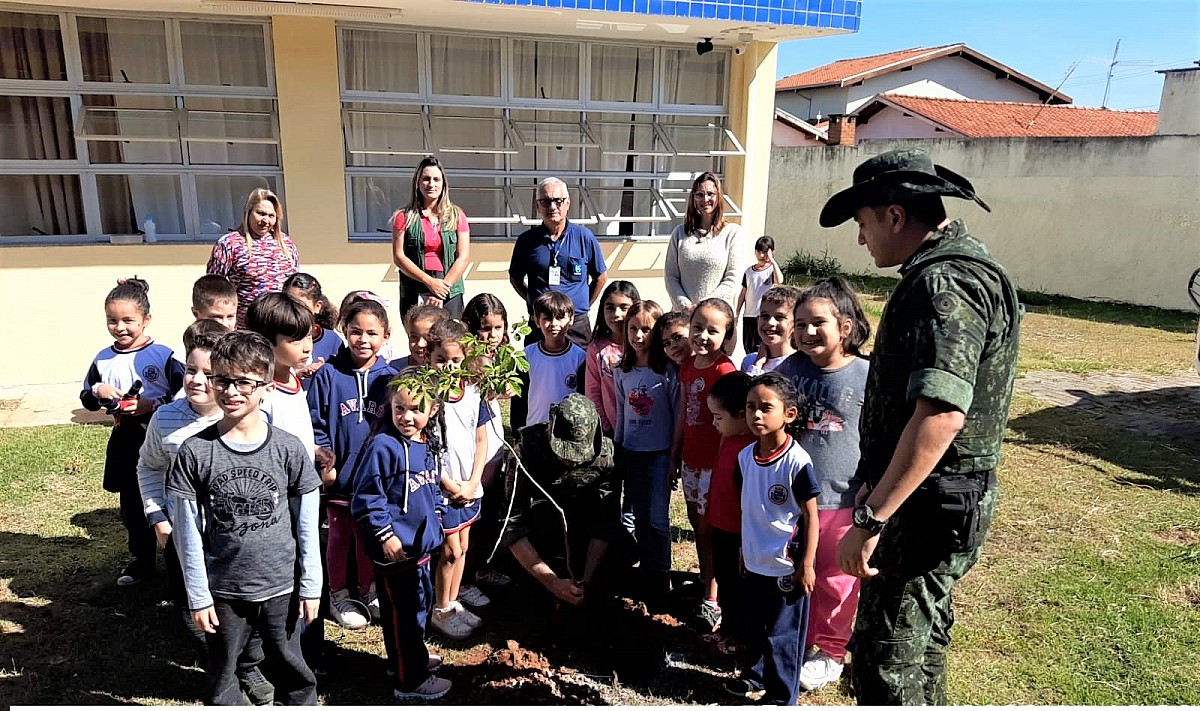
(846, 72)
(997, 119)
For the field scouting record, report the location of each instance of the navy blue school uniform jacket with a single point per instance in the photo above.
(395, 494)
(344, 404)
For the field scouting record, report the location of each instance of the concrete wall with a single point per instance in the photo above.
(1179, 108)
(1099, 218)
(945, 78)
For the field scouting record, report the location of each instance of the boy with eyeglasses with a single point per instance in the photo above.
(243, 497)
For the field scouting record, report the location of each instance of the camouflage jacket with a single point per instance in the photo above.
(949, 333)
(589, 493)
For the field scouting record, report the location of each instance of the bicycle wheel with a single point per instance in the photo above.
(1194, 288)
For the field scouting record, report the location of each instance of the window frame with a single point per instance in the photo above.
(74, 88)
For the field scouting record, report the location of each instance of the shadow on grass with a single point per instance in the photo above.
(1154, 434)
(74, 637)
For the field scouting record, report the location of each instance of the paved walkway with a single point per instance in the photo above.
(53, 404)
(1155, 405)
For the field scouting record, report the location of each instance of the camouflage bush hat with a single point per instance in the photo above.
(573, 429)
(893, 177)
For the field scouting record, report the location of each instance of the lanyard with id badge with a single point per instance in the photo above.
(554, 278)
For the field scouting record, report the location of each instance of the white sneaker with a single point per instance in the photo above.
(372, 601)
(432, 688)
(819, 670)
(473, 621)
(473, 596)
(345, 610)
(492, 577)
(450, 623)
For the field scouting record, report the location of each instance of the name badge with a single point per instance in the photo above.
(555, 276)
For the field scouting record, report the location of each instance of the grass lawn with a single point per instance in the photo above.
(1088, 591)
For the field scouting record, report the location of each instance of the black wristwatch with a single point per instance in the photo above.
(864, 518)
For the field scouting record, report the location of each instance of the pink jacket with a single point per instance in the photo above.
(603, 356)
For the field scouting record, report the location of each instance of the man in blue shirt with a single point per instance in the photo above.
(559, 256)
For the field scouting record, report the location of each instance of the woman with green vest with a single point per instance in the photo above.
(431, 243)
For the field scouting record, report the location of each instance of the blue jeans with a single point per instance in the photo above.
(648, 490)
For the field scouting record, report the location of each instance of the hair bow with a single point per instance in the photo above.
(371, 296)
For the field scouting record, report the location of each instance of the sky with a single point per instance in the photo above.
(1042, 39)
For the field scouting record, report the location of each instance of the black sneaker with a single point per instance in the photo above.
(743, 688)
(256, 687)
(133, 574)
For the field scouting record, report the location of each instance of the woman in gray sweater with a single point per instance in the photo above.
(706, 255)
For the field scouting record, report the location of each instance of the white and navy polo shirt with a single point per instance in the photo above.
(552, 377)
(152, 363)
(774, 489)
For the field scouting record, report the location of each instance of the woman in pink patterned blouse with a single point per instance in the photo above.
(259, 256)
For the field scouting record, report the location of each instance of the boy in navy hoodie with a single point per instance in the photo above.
(345, 399)
(396, 492)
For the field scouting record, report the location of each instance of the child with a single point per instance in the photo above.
(243, 498)
(605, 351)
(647, 398)
(286, 323)
(831, 373)
(344, 401)
(417, 323)
(325, 340)
(774, 330)
(759, 277)
(169, 427)
(697, 441)
(778, 494)
(727, 403)
(395, 505)
(389, 351)
(487, 318)
(673, 333)
(465, 421)
(553, 361)
(130, 379)
(215, 297)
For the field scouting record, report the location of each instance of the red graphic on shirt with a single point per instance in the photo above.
(641, 401)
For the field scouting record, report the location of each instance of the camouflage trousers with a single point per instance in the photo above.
(904, 613)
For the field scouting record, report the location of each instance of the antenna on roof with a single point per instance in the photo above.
(1067, 76)
(1108, 81)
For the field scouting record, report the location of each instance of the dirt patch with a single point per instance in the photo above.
(1187, 594)
(516, 675)
(1179, 535)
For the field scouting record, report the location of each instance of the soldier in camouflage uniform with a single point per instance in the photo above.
(572, 462)
(936, 406)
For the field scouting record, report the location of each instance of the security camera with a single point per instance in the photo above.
(740, 48)
(705, 46)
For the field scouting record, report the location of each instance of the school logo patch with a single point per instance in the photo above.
(786, 583)
(572, 381)
(777, 494)
(151, 373)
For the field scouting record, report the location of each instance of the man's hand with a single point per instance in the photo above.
(854, 553)
(309, 609)
(162, 531)
(206, 620)
(393, 549)
(861, 497)
(566, 590)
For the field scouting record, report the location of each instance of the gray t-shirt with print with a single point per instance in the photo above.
(833, 400)
(243, 500)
